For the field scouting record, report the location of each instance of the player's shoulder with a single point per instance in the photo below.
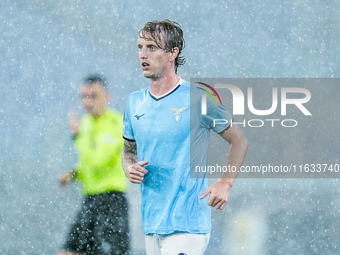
(139, 93)
(185, 87)
(185, 84)
(193, 89)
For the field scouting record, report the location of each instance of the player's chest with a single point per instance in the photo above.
(161, 117)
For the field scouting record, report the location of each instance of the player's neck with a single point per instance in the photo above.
(163, 84)
(99, 113)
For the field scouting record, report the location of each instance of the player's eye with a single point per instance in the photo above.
(152, 47)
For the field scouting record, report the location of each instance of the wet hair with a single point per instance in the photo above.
(94, 78)
(172, 34)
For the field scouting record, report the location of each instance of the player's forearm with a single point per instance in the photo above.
(128, 159)
(237, 153)
(129, 155)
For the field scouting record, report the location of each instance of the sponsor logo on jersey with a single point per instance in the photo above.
(138, 116)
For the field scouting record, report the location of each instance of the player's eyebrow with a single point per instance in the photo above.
(148, 44)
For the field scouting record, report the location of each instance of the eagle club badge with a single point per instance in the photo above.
(178, 113)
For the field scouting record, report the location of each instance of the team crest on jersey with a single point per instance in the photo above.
(178, 113)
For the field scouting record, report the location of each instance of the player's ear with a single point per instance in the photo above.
(174, 54)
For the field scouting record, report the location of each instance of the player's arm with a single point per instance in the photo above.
(219, 191)
(133, 169)
(73, 122)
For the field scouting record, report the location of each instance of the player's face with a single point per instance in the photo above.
(94, 98)
(154, 60)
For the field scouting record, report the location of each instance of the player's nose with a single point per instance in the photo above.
(142, 53)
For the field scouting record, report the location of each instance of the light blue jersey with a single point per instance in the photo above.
(161, 128)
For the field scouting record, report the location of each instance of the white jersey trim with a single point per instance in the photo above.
(169, 92)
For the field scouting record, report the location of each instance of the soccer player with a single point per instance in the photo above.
(101, 226)
(157, 132)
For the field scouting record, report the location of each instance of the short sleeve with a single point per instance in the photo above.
(127, 126)
(217, 118)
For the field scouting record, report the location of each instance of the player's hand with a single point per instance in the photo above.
(219, 194)
(136, 172)
(65, 178)
(73, 121)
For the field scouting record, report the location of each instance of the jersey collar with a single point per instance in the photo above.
(179, 83)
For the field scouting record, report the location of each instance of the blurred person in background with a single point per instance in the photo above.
(101, 225)
(158, 127)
